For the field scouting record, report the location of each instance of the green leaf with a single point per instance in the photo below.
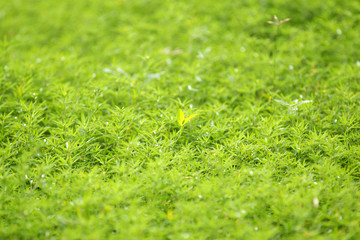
(180, 117)
(190, 117)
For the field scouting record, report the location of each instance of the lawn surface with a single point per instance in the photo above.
(90, 142)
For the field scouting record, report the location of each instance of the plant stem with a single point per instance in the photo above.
(178, 135)
(275, 50)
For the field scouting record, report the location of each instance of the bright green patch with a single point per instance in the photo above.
(136, 119)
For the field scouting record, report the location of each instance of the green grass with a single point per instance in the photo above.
(90, 144)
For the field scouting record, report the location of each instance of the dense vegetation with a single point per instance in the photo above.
(92, 140)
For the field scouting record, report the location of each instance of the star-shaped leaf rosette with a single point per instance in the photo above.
(277, 22)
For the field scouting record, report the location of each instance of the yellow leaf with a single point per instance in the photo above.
(190, 117)
(180, 117)
(170, 215)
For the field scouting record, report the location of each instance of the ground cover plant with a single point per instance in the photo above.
(168, 119)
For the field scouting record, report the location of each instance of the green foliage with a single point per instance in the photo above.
(181, 118)
(137, 119)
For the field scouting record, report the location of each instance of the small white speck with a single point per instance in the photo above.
(198, 78)
(154, 75)
(191, 106)
(243, 49)
(340, 218)
(42, 175)
(301, 96)
(168, 62)
(200, 55)
(255, 228)
(335, 120)
(185, 235)
(315, 183)
(200, 196)
(71, 203)
(120, 70)
(236, 70)
(44, 140)
(358, 63)
(34, 94)
(243, 211)
(24, 124)
(93, 75)
(191, 89)
(160, 150)
(316, 202)
(26, 176)
(38, 60)
(338, 176)
(338, 31)
(62, 58)
(15, 117)
(107, 70)
(291, 67)
(67, 145)
(107, 123)
(251, 173)
(171, 117)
